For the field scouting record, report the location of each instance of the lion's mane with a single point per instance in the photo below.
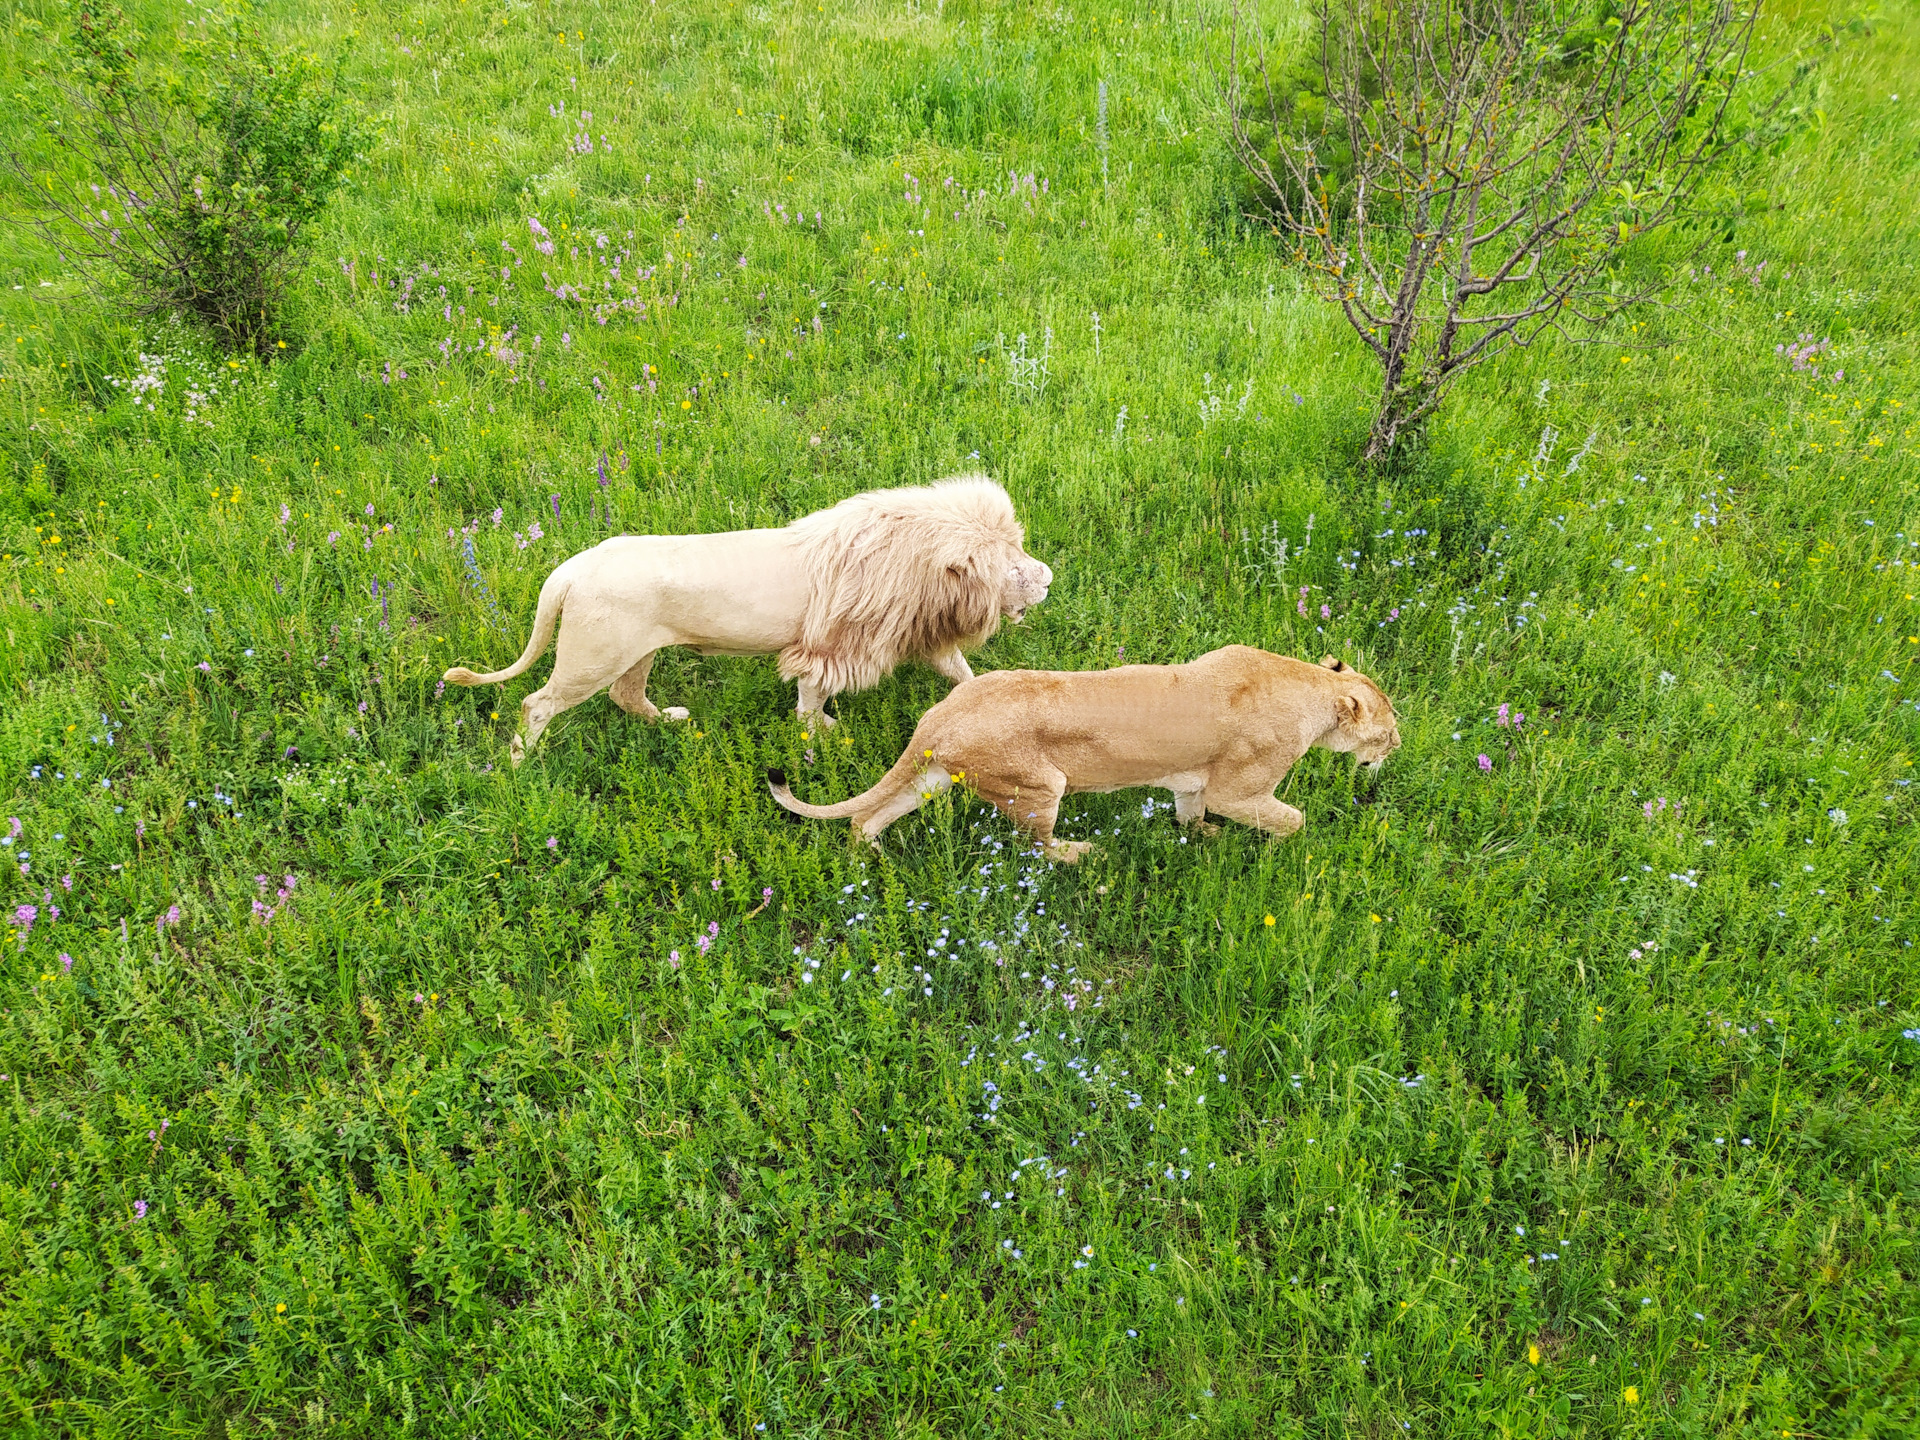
(901, 574)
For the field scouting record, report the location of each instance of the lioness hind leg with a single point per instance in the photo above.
(1190, 808)
(1263, 812)
(1033, 805)
(924, 787)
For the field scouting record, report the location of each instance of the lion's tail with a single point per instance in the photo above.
(553, 599)
(903, 774)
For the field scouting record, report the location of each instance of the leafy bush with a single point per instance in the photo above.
(195, 188)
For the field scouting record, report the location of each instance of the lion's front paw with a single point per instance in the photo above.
(676, 712)
(1204, 827)
(1068, 852)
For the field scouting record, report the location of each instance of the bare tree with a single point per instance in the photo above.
(1470, 169)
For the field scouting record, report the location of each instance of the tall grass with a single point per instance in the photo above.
(1567, 1093)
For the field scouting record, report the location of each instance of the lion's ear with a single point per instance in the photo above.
(1329, 662)
(1347, 709)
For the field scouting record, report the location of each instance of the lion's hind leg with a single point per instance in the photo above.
(581, 670)
(629, 692)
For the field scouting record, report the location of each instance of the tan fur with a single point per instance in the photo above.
(842, 596)
(1221, 732)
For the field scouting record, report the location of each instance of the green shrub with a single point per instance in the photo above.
(189, 191)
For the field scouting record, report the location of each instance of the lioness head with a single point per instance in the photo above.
(1364, 723)
(1026, 584)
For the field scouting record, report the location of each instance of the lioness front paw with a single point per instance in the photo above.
(1204, 827)
(676, 712)
(1068, 852)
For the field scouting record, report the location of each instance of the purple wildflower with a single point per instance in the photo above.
(139, 1209)
(1486, 765)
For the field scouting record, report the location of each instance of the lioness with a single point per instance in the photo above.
(842, 595)
(1220, 732)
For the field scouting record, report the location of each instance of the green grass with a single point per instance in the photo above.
(1599, 1053)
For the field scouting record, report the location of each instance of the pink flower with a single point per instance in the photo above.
(1326, 612)
(66, 963)
(1501, 718)
(716, 884)
(1486, 765)
(139, 1209)
(673, 958)
(553, 842)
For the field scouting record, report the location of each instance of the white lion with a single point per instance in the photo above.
(842, 596)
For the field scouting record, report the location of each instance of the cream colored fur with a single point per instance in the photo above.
(842, 596)
(1220, 732)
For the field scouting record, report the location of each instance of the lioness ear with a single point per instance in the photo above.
(1347, 709)
(1330, 663)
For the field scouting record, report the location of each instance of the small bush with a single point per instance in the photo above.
(195, 187)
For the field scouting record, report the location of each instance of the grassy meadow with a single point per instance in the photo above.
(1557, 1080)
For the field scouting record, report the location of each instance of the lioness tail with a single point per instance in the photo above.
(889, 785)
